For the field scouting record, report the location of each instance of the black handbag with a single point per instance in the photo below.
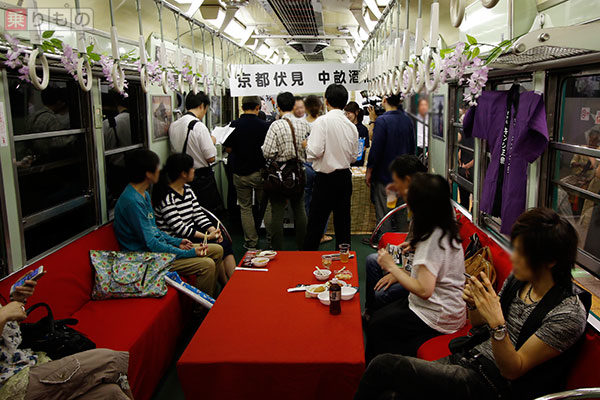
(54, 337)
(286, 178)
(473, 247)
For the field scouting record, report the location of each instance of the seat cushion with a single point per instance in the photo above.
(147, 328)
(394, 238)
(437, 348)
(67, 285)
(585, 372)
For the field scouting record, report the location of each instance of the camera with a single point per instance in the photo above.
(375, 103)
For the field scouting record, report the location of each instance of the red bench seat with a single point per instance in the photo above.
(584, 374)
(147, 328)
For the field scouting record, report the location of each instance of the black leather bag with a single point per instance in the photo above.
(473, 247)
(55, 338)
(288, 178)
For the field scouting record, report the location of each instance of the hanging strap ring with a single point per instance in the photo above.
(489, 3)
(86, 85)
(144, 78)
(389, 82)
(194, 84)
(180, 86)
(405, 89)
(164, 82)
(432, 77)
(418, 73)
(39, 84)
(118, 76)
(457, 12)
(396, 80)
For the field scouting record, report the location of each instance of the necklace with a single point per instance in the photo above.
(528, 296)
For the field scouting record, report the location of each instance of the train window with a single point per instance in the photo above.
(49, 110)
(575, 154)
(53, 163)
(462, 155)
(123, 129)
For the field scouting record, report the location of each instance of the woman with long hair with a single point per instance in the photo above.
(433, 305)
(179, 214)
(355, 115)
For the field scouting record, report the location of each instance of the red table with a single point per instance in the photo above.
(261, 342)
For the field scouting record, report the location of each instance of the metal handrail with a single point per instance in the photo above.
(585, 393)
(383, 221)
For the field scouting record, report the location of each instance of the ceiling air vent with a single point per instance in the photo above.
(314, 57)
(308, 46)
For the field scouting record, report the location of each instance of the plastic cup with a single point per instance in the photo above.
(344, 252)
(392, 198)
(326, 262)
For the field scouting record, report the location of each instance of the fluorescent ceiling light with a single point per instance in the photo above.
(364, 35)
(478, 18)
(234, 29)
(372, 5)
(263, 49)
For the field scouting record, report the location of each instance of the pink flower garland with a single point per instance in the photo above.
(455, 66)
(17, 58)
(107, 66)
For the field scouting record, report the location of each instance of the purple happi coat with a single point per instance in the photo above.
(527, 140)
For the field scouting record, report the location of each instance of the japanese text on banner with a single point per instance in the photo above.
(265, 79)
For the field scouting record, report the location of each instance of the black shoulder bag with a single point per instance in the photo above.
(54, 337)
(285, 178)
(187, 137)
(550, 376)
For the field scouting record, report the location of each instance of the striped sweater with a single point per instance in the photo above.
(181, 216)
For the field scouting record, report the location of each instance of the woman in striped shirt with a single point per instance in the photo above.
(178, 212)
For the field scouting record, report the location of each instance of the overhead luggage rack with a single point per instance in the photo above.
(540, 54)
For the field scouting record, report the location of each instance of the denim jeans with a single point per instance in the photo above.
(377, 299)
(400, 377)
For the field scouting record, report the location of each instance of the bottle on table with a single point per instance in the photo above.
(335, 297)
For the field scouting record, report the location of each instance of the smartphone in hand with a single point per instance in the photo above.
(31, 276)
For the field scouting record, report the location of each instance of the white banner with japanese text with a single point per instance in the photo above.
(271, 79)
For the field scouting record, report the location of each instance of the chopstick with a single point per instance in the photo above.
(251, 269)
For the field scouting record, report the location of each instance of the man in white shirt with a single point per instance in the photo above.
(332, 146)
(189, 135)
(422, 130)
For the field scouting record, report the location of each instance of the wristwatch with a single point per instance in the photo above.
(498, 333)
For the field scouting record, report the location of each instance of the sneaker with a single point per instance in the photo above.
(250, 248)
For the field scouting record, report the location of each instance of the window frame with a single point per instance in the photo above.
(91, 196)
(555, 82)
(141, 109)
(454, 127)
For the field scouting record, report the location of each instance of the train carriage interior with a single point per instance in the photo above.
(268, 199)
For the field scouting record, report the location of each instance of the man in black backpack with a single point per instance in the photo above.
(189, 135)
